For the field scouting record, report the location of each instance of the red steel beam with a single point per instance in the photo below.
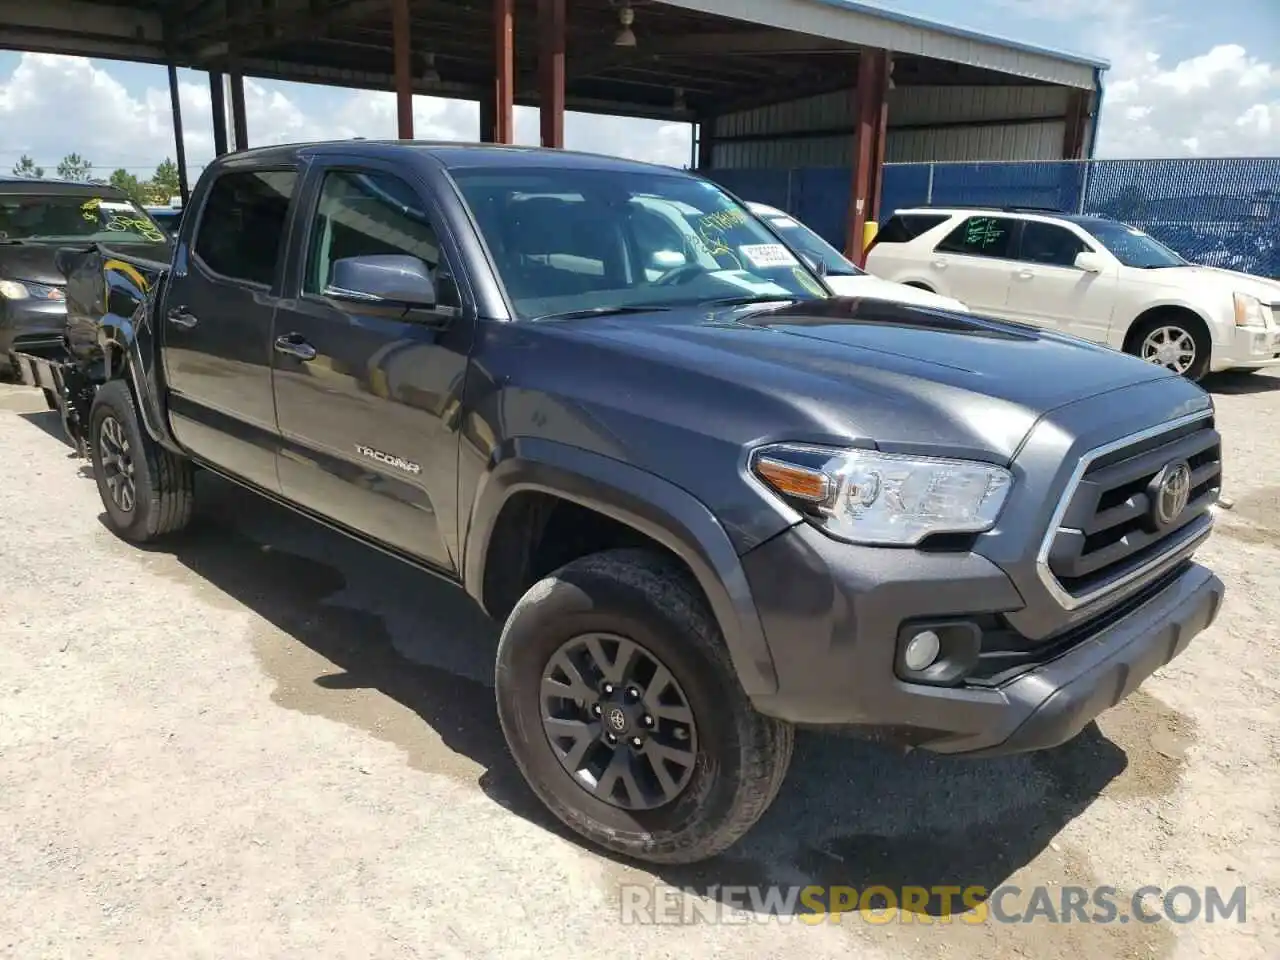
(403, 68)
(551, 71)
(504, 75)
(868, 155)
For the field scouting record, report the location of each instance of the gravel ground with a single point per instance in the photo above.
(267, 741)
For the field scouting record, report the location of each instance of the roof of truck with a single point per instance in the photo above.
(451, 154)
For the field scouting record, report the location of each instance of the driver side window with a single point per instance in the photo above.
(362, 213)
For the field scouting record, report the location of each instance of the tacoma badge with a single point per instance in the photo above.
(408, 466)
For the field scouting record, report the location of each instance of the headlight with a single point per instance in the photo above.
(868, 497)
(1249, 311)
(22, 289)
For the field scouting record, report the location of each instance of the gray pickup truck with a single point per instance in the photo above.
(709, 500)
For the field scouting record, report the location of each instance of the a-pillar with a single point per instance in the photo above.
(218, 101)
(497, 112)
(239, 121)
(868, 155)
(551, 71)
(403, 68)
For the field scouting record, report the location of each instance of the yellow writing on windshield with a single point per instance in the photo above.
(711, 230)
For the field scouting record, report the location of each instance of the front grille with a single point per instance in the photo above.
(1107, 533)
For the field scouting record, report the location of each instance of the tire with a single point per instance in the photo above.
(741, 756)
(163, 486)
(1184, 324)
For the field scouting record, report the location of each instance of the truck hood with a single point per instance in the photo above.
(865, 285)
(852, 368)
(34, 262)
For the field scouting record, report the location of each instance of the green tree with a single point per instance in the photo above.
(26, 167)
(124, 180)
(164, 182)
(74, 167)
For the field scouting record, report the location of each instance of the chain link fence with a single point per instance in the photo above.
(1223, 213)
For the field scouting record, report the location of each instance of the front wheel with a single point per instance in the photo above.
(1173, 341)
(146, 490)
(621, 708)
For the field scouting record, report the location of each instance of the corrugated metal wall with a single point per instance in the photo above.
(970, 116)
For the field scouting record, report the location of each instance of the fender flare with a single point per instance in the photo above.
(645, 502)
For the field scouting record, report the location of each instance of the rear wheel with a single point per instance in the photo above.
(620, 705)
(147, 491)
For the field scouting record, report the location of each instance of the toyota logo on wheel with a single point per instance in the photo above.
(617, 719)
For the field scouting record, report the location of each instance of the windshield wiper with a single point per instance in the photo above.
(603, 312)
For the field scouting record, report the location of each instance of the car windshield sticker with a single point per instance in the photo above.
(982, 232)
(766, 256)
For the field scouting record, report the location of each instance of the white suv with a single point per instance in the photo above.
(1090, 277)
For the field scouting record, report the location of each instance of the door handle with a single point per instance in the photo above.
(179, 317)
(1023, 274)
(939, 264)
(294, 346)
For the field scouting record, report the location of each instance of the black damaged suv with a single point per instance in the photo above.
(709, 500)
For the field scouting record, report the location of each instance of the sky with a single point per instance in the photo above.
(1186, 79)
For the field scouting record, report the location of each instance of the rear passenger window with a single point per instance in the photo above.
(363, 213)
(980, 237)
(241, 231)
(905, 227)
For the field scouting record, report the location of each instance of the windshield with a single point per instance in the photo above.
(53, 218)
(804, 241)
(1131, 246)
(567, 241)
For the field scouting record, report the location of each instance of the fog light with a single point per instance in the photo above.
(922, 650)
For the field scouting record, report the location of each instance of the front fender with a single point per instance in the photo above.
(646, 503)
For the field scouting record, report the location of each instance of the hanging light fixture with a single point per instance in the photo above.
(626, 17)
(430, 74)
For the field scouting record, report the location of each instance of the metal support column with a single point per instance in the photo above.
(239, 120)
(403, 68)
(551, 71)
(219, 104)
(868, 159)
(179, 146)
(706, 144)
(504, 69)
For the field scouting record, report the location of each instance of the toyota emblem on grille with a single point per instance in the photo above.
(1169, 492)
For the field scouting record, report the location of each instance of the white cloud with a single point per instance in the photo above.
(51, 106)
(1221, 103)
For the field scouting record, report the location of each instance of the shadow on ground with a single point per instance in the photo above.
(851, 813)
(1239, 382)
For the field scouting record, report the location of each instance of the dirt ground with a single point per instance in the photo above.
(267, 741)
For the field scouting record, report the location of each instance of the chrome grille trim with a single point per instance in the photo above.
(1179, 547)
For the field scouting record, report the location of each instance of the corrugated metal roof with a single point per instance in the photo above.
(871, 26)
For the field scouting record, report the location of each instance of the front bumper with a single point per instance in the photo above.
(832, 620)
(28, 319)
(1249, 347)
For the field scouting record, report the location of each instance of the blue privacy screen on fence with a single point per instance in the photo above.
(1225, 213)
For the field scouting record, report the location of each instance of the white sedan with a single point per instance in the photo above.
(845, 279)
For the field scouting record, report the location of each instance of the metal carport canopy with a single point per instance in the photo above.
(868, 26)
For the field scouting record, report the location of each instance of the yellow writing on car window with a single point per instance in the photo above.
(138, 225)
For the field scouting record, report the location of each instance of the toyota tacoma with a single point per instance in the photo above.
(709, 500)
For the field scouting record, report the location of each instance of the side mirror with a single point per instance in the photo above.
(813, 263)
(667, 259)
(1089, 261)
(384, 279)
